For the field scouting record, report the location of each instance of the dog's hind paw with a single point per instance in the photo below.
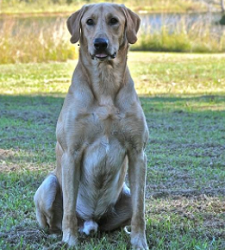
(139, 242)
(69, 239)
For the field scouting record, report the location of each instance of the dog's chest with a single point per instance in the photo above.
(109, 124)
(102, 163)
(107, 118)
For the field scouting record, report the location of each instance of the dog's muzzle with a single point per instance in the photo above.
(101, 49)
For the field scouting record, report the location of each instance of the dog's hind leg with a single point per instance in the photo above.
(120, 214)
(48, 203)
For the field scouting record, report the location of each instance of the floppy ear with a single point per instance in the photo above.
(73, 24)
(132, 24)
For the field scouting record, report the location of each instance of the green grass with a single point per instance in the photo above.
(183, 97)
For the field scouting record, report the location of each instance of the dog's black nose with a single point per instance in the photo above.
(101, 43)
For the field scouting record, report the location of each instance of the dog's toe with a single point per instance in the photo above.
(70, 239)
(139, 242)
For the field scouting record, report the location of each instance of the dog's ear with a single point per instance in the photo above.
(74, 23)
(132, 24)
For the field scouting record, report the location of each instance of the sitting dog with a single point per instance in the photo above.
(101, 134)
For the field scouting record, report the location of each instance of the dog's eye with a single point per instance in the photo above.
(113, 21)
(90, 22)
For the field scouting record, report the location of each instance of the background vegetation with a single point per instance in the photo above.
(40, 39)
(49, 41)
(200, 37)
(35, 42)
(38, 6)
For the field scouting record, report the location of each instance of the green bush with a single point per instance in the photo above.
(222, 20)
(199, 38)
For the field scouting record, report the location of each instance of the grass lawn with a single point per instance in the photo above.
(183, 97)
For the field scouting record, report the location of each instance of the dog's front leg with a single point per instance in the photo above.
(70, 182)
(137, 179)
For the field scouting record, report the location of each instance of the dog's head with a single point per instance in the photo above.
(103, 28)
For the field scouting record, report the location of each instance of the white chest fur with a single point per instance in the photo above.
(102, 164)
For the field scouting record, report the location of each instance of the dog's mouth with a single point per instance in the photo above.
(103, 56)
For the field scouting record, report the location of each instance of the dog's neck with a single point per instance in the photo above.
(105, 78)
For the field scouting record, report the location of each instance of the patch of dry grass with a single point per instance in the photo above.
(33, 42)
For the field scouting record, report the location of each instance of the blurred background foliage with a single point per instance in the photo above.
(35, 30)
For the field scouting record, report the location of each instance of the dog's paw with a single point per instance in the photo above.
(139, 242)
(70, 239)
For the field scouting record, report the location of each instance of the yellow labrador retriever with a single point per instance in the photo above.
(101, 134)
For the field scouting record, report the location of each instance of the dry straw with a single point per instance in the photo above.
(32, 42)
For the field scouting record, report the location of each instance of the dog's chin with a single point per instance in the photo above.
(103, 56)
